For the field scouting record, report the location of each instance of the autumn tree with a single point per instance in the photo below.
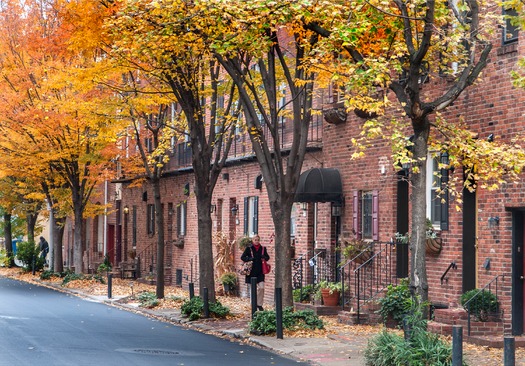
(169, 41)
(53, 121)
(396, 47)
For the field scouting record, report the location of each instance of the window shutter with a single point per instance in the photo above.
(355, 214)
(256, 215)
(246, 210)
(375, 215)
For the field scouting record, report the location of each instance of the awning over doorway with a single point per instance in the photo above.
(320, 185)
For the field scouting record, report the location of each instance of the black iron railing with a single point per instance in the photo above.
(365, 276)
(492, 287)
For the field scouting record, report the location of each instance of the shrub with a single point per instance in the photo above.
(397, 302)
(480, 303)
(148, 300)
(194, 309)
(46, 275)
(5, 260)
(264, 322)
(304, 294)
(418, 348)
(71, 276)
(27, 252)
(229, 278)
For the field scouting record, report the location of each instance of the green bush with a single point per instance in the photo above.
(71, 276)
(194, 309)
(418, 347)
(27, 252)
(397, 302)
(5, 261)
(264, 322)
(483, 304)
(46, 275)
(305, 294)
(148, 300)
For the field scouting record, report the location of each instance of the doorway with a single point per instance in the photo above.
(469, 240)
(518, 272)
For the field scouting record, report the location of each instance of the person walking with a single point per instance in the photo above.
(44, 248)
(256, 253)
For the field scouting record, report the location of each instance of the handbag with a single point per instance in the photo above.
(266, 268)
(246, 268)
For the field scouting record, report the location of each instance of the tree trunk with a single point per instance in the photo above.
(283, 270)
(58, 235)
(31, 223)
(159, 218)
(418, 275)
(206, 271)
(8, 237)
(77, 239)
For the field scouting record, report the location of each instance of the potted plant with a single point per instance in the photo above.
(229, 282)
(330, 292)
(244, 242)
(433, 241)
(358, 250)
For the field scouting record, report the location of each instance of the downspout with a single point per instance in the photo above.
(105, 217)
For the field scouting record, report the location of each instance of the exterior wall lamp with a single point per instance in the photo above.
(337, 208)
(126, 210)
(212, 208)
(493, 222)
(235, 210)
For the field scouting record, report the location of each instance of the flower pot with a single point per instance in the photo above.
(330, 299)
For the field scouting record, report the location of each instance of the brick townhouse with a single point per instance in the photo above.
(481, 244)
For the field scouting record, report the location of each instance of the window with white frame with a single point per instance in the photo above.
(181, 218)
(437, 199)
(251, 215)
(293, 221)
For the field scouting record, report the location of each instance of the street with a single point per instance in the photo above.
(40, 326)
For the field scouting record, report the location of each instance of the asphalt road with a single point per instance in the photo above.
(39, 326)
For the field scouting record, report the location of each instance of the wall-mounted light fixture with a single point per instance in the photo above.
(337, 208)
(235, 210)
(493, 222)
(304, 207)
(126, 210)
(212, 208)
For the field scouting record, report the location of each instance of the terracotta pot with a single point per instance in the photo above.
(330, 299)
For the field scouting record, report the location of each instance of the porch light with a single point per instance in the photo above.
(212, 208)
(337, 208)
(493, 222)
(126, 210)
(235, 210)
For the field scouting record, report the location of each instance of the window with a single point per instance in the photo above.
(293, 221)
(251, 215)
(366, 214)
(150, 219)
(134, 227)
(437, 198)
(181, 219)
(510, 31)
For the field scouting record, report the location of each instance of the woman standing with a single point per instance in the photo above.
(256, 253)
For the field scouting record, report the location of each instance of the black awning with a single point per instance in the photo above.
(320, 185)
